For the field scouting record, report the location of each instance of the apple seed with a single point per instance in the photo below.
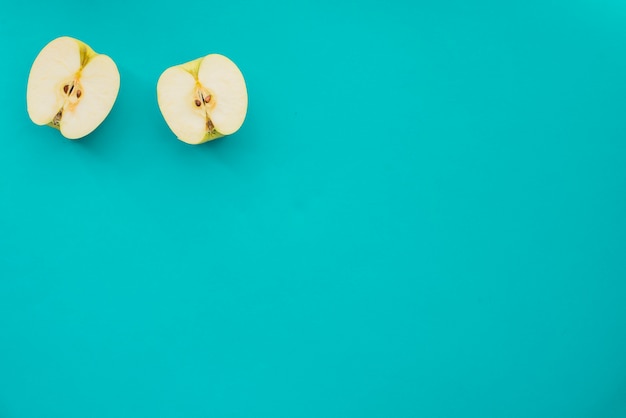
(66, 88)
(198, 102)
(78, 94)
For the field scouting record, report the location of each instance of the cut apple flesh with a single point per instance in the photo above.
(71, 88)
(203, 99)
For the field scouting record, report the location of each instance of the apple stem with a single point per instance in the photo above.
(57, 118)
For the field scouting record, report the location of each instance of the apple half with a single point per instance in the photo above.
(203, 99)
(71, 87)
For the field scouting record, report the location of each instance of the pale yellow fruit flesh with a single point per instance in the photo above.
(176, 97)
(91, 83)
(54, 67)
(203, 99)
(100, 83)
(228, 91)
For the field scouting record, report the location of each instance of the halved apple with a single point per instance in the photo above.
(71, 87)
(203, 99)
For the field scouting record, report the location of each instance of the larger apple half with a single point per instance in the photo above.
(71, 87)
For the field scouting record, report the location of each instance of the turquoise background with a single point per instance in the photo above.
(424, 215)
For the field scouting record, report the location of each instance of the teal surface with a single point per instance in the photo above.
(424, 215)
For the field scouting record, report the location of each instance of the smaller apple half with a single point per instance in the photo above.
(203, 99)
(71, 87)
